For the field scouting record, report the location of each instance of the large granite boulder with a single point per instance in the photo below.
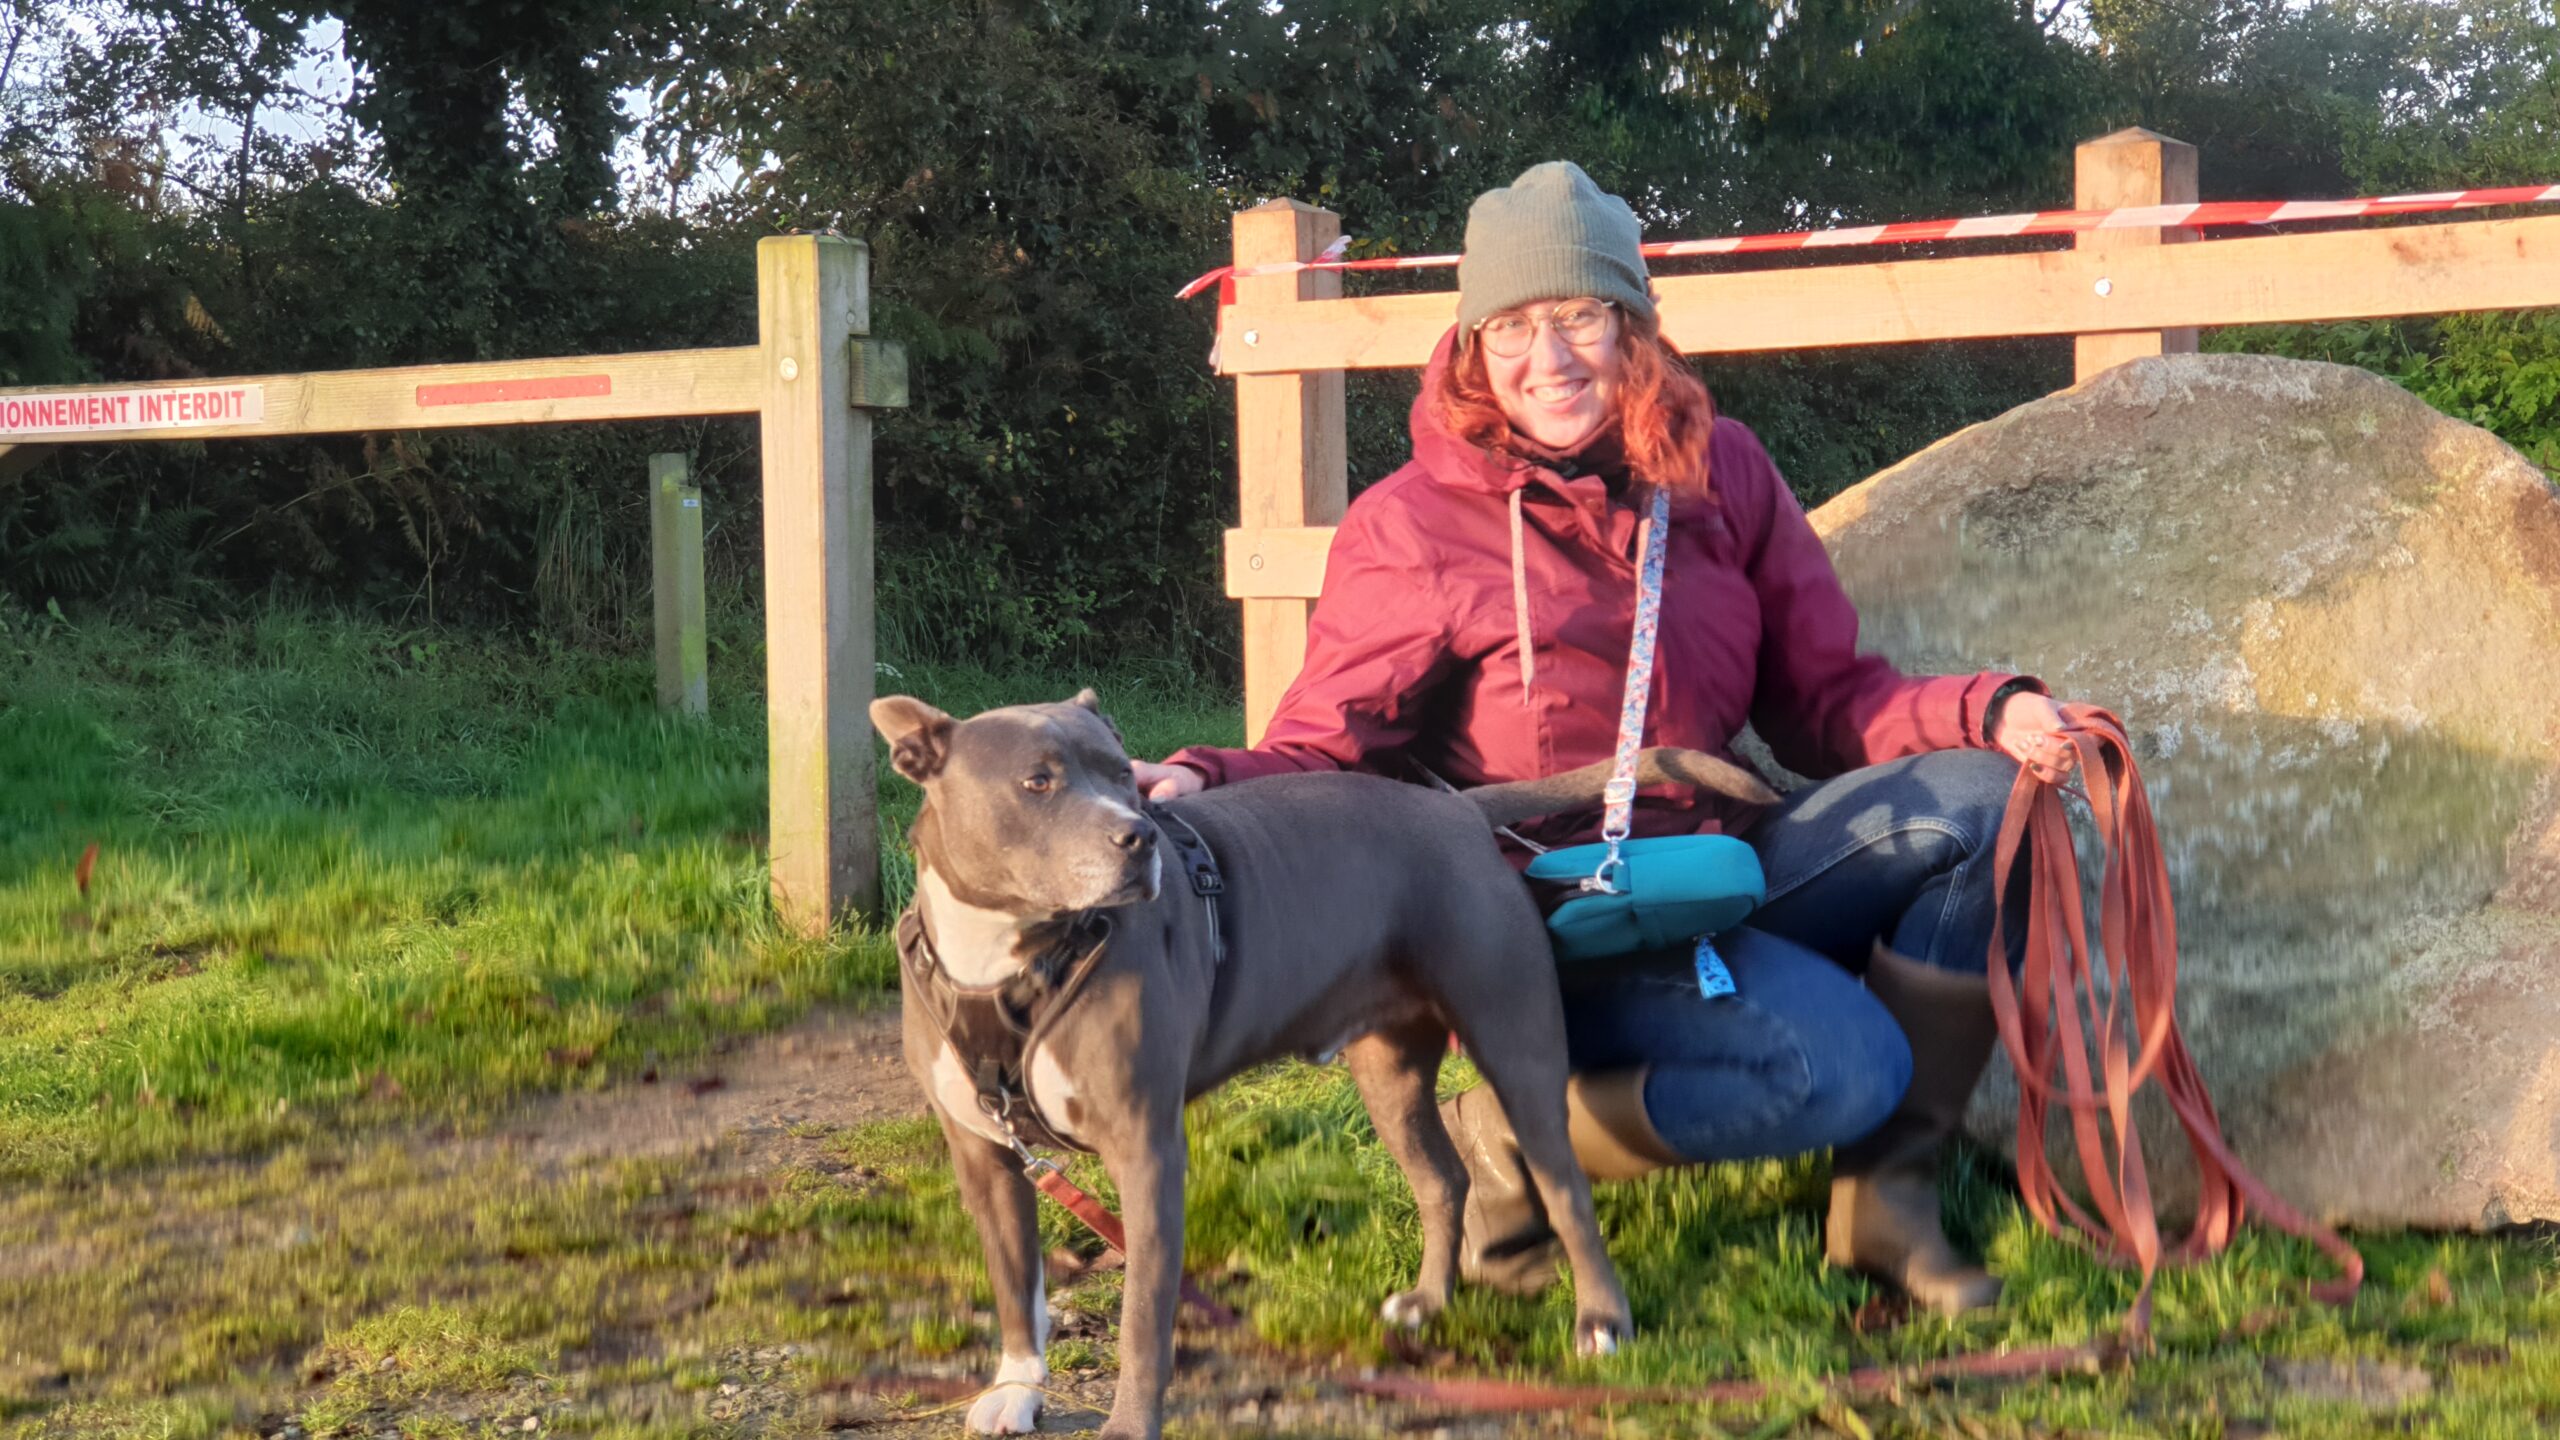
(2330, 617)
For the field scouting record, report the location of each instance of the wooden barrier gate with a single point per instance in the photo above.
(813, 378)
(2127, 293)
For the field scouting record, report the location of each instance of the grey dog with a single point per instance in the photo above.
(1349, 913)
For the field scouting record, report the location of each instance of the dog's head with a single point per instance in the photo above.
(1029, 810)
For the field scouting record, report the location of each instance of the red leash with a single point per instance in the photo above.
(1488, 1394)
(1053, 1182)
(2068, 1013)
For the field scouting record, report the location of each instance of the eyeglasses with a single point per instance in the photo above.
(1511, 333)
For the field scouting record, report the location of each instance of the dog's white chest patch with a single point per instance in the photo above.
(977, 946)
(1052, 1090)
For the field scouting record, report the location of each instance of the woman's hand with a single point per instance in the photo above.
(1167, 782)
(2025, 729)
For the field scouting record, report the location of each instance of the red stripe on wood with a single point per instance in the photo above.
(495, 392)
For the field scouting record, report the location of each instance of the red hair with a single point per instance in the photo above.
(1665, 414)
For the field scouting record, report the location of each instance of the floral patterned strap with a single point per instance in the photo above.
(1621, 792)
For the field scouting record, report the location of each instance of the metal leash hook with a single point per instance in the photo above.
(1001, 1114)
(1620, 794)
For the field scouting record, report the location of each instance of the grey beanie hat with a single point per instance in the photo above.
(1550, 235)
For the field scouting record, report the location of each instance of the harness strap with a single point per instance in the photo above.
(1199, 868)
(2052, 1012)
(991, 1028)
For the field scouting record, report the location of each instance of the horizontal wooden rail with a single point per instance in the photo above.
(2349, 274)
(638, 386)
(1277, 562)
(812, 380)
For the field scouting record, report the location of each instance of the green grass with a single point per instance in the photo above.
(358, 886)
(347, 873)
(1722, 1267)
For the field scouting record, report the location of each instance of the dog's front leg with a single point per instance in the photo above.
(1148, 1165)
(1005, 1207)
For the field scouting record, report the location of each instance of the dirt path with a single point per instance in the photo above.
(832, 1070)
(769, 1103)
(754, 1118)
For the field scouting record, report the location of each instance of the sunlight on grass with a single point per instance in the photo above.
(1298, 1216)
(345, 872)
(357, 885)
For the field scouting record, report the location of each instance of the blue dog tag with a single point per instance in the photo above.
(1714, 981)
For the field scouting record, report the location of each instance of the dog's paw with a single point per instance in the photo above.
(1410, 1310)
(1600, 1334)
(1006, 1409)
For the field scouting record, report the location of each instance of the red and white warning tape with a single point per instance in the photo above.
(2041, 222)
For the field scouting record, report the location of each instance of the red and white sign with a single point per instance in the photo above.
(157, 407)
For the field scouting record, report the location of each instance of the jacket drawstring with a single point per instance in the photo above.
(1520, 602)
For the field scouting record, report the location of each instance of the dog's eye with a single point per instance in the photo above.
(1040, 783)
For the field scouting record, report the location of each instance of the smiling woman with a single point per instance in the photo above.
(1479, 614)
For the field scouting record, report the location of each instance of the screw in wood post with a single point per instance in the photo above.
(2131, 167)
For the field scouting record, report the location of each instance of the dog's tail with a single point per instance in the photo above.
(1519, 800)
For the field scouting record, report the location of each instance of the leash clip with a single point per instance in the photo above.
(1604, 881)
(1000, 1113)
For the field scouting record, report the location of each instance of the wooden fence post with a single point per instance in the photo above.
(1290, 470)
(2131, 167)
(675, 583)
(813, 296)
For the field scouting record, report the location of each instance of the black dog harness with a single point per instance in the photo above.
(992, 1028)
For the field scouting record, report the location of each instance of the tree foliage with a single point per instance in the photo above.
(1035, 177)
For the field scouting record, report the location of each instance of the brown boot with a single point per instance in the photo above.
(1505, 1241)
(1884, 1188)
(1613, 1137)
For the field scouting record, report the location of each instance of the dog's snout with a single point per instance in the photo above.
(1135, 836)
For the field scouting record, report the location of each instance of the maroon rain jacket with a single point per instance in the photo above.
(1414, 651)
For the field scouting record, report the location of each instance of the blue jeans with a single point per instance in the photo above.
(1801, 1057)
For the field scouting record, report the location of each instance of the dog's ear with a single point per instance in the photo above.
(919, 736)
(1090, 701)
